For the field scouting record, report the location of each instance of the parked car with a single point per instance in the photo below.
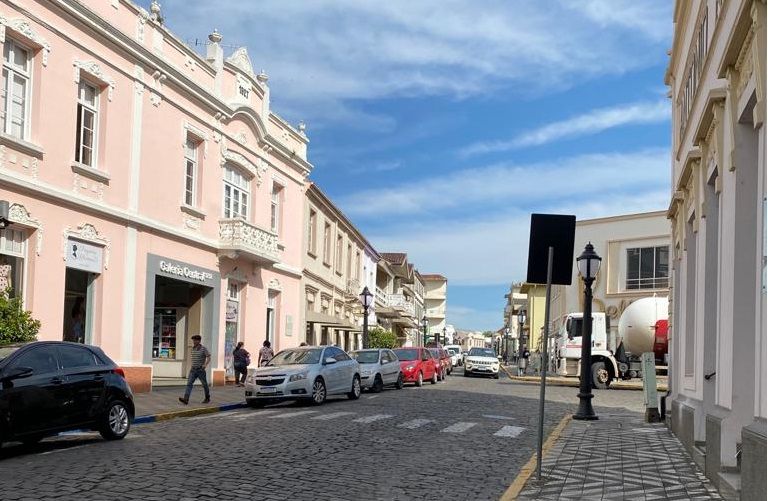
(417, 365)
(307, 373)
(379, 368)
(481, 361)
(442, 362)
(47, 387)
(455, 351)
(447, 360)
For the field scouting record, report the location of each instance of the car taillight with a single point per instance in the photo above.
(119, 372)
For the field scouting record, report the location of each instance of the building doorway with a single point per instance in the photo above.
(177, 316)
(78, 306)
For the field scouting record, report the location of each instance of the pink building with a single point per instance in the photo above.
(153, 193)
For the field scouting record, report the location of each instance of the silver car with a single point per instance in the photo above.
(310, 372)
(379, 368)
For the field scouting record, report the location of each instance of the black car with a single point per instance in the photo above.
(48, 387)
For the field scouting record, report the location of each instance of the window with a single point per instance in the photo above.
(277, 193)
(190, 172)
(41, 360)
(87, 124)
(327, 244)
(648, 268)
(339, 246)
(357, 266)
(12, 252)
(15, 91)
(72, 356)
(312, 232)
(349, 260)
(236, 193)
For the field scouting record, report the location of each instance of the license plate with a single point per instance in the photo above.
(268, 390)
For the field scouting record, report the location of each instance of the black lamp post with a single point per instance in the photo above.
(443, 334)
(365, 298)
(506, 346)
(521, 316)
(424, 325)
(589, 264)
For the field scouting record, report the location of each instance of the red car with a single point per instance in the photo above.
(442, 362)
(417, 365)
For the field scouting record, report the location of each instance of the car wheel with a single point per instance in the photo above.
(466, 373)
(600, 376)
(318, 392)
(400, 381)
(420, 379)
(356, 390)
(116, 421)
(378, 384)
(434, 379)
(496, 376)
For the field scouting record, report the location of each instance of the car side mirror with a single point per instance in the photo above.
(330, 360)
(17, 373)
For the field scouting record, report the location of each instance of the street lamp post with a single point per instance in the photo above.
(365, 298)
(521, 317)
(444, 334)
(506, 346)
(424, 325)
(589, 264)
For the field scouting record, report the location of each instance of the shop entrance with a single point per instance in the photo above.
(78, 306)
(177, 317)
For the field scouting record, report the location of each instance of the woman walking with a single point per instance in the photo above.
(265, 353)
(241, 361)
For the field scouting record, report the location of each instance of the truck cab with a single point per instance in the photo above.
(568, 349)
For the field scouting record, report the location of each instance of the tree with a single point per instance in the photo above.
(379, 337)
(16, 324)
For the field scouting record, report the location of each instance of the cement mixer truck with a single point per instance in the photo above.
(643, 328)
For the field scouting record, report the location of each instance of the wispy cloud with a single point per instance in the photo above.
(592, 122)
(377, 167)
(326, 56)
(508, 183)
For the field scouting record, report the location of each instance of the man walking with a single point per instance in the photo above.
(201, 357)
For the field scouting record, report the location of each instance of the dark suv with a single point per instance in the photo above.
(48, 387)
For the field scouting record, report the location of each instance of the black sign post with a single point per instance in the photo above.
(551, 236)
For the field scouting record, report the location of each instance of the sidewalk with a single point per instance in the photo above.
(163, 402)
(637, 384)
(616, 457)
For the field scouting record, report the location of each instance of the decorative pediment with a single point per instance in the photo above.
(240, 59)
(274, 284)
(94, 71)
(19, 215)
(256, 170)
(88, 233)
(22, 27)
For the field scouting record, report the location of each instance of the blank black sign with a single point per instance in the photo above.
(556, 231)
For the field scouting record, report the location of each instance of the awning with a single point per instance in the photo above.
(329, 320)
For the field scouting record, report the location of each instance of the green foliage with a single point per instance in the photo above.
(16, 324)
(379, 337)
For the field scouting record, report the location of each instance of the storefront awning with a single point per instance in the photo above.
(329, 320)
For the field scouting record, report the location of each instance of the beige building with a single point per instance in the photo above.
(516, 301)
(436, 295)
(399, 297)
(717, 82)
(333, 274)
(635, 252)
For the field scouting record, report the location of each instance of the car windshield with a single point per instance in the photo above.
(366, 357)
(296, 357)
(435, 352)
(454, 351)
(407, 355)
(7, 350)
(482, 352)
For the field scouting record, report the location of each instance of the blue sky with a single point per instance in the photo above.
(439, 126)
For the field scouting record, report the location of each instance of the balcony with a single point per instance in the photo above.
(401, 304)
(435, 312)
(237, 237)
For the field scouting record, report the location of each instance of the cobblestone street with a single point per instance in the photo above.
(466, 438)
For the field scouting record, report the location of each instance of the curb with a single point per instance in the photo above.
(526, 471)
(165, 416)
(574, 383)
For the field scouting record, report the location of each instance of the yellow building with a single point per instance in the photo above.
(534, 323)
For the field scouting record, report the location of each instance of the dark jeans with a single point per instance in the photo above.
(240, 370)
(197, 374)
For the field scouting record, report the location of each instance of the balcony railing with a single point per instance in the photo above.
(239, 236)
(381, 296)
(400, 303)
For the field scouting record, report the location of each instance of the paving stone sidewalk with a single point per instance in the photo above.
(618, 457)
(165, 399)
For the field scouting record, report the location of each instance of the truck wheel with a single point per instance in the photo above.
(600, 376)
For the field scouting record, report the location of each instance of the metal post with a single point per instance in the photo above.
(544, 362)
(585, 411)
(365, 327)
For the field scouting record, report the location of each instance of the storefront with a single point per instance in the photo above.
(84, 262)
(181, 300)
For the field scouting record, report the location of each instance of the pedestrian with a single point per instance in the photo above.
(303, 343)
(200, 357)
(242, 359)
(523, 362)
(265, 353)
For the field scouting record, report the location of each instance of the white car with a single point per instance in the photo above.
(481, 361)
(455, 351)
(379, 367)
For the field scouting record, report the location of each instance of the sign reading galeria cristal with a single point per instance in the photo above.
(185, 271)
